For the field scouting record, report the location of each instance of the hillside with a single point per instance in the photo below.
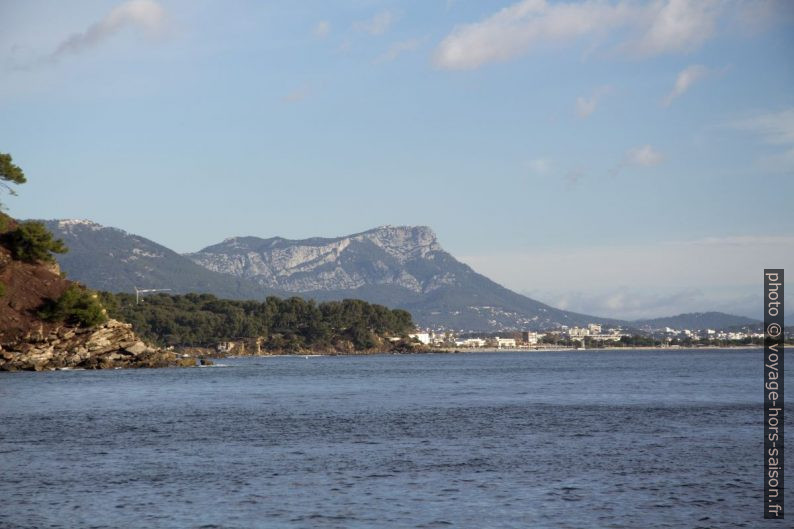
(114, 260)
(400, 266)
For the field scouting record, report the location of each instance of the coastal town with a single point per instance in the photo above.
(593, 335)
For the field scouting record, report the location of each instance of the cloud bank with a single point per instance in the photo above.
(639, 280)
(641, 29)
(775, 129)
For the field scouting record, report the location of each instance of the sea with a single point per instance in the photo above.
(558, 439)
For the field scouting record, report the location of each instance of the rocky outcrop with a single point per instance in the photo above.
(382, 256)
(110, 345)
(28, 341)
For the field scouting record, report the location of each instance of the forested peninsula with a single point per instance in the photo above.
(272, 326)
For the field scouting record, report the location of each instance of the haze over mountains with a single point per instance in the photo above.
(397, 266)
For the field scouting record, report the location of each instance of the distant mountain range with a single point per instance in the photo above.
(397, 266)
(695, 320)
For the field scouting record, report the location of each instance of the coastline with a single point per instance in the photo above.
(453, 350)
(589, 350)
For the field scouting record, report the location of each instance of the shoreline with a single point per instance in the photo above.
(591, 349)
(453, 350)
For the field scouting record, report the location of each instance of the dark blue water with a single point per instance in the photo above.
(567, 439)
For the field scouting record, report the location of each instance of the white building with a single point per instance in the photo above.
(421, 337)
(471, 342)
(594, 328)
(505, 342)
(530, 338)
(578, 332)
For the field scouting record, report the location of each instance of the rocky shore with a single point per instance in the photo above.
(110, 345)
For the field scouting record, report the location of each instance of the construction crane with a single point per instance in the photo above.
(139, 291)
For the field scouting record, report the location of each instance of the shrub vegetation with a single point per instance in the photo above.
(76, 306)
(32, 242)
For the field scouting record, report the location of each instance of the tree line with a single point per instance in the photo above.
(283, 324)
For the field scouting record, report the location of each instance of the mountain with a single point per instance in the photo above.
(114, 260)
(397, 266)
(400, 266)
(695, 320)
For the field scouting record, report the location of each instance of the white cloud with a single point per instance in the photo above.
(144, 14)
(378, 24)
(513, 30)
(587, 105)
(684, 81)
(638, 302)
(625, 302)
(645, 156)
(397, 49)
(677, 26)
(777, 129)
(658, 27)
(644, 279)
(322, 29)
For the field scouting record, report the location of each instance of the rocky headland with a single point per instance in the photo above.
(30, 340)
(109, 345)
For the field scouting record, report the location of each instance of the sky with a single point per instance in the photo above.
(620, 158)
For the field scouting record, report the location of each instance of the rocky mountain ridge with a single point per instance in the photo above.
(382, 256)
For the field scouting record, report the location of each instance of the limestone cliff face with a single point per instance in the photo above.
(110, 345)
(382, 256)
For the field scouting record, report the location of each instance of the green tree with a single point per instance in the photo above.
(9, 172)
(12, 174)
(76, 306)
(33, 242)
(286, 324)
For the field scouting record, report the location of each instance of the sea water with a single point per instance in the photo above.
(579, 439)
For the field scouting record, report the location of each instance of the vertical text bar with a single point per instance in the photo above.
(773, 393)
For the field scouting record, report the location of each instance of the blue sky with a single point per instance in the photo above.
(615, 157)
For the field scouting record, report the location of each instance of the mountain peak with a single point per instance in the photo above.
(403, 242)
(66, 224)
(71, 225)
(374, 257)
